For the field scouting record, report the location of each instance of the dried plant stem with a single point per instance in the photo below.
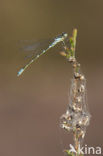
(77, 116)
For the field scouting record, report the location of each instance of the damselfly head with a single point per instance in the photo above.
(64, 34)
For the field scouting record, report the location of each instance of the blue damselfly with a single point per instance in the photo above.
(56, 40)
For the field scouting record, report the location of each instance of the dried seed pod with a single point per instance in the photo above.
(81, 89)
(71, 59)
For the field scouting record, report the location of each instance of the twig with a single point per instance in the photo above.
(77, 117)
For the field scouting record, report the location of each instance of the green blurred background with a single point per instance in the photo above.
(30, 105)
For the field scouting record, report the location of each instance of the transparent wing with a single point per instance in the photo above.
(26, 45)
(36, 49)
(33, 48)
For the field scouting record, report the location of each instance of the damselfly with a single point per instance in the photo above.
(56, 40)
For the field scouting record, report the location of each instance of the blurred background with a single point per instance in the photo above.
(31, 105)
